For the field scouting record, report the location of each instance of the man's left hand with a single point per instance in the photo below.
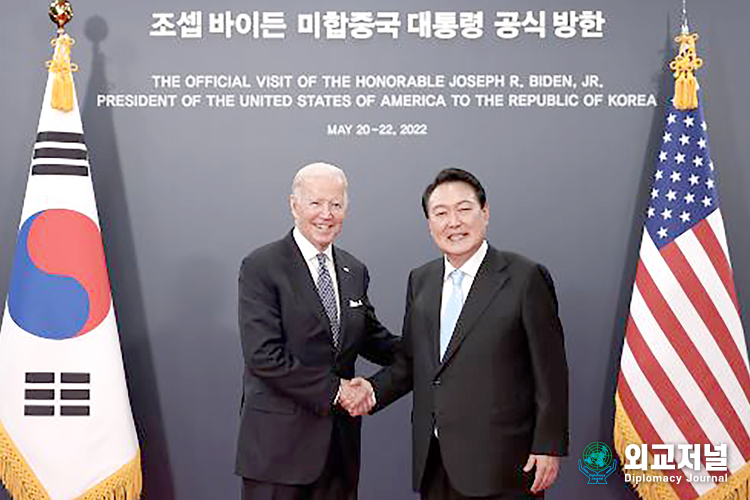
(547, 467)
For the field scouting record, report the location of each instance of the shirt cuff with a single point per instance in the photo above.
(338, 395)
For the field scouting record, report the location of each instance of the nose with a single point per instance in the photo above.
(326, 211)
(453, 219)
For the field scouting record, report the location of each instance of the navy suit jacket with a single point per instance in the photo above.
(292, 370)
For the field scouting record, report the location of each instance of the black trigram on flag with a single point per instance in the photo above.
(60, 153)
(45, 398)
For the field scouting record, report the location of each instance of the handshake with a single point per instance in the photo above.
(356, 396)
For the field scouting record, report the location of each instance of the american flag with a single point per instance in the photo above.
(684, 374)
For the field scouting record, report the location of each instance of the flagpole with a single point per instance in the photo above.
(685, 29)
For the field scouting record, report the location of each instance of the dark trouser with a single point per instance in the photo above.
(338, 481)
(437, 486)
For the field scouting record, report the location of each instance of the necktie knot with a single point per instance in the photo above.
(322, 259)
(457, 276)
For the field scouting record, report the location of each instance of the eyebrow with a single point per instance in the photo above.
(445, 205)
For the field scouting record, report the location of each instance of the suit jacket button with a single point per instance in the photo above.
(436, 382)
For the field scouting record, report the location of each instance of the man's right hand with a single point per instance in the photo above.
(357, 396)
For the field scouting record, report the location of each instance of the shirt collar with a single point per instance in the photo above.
(309, 252)
(471, 266)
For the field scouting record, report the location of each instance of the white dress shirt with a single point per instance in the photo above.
(470, 270)
(310, 254)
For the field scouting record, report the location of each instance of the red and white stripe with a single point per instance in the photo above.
(684, 375)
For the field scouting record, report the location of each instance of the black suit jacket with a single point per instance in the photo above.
(501, 391)
(292, 369)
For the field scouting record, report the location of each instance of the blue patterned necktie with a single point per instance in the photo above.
(328, 297)
(452, 311)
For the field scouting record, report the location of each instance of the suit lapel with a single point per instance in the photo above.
(347, 290)
(489, 280)
(433, 292)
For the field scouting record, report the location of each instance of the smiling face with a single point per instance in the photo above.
(319, 208)
(457, 222)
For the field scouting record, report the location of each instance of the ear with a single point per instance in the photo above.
(293, 206)
(486, 212)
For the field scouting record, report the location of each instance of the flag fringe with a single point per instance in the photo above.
(125, 484)
(624, 435)
(17, 476)
(22, 483)
(737, 486)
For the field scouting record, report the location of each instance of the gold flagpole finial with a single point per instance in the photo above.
(684, 65)
(61, 13)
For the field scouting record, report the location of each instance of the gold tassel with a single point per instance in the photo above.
(737, 486)
(60, 65)
(684, 66)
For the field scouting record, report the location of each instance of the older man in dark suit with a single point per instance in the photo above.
(304, 318)
(483, 351)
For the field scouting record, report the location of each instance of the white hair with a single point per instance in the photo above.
(317, 169)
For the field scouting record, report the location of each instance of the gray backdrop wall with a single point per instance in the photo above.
(184, 194)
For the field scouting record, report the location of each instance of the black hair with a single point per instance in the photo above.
(454, 175)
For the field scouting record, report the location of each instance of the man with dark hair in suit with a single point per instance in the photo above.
(483, 351)
(304, 318)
